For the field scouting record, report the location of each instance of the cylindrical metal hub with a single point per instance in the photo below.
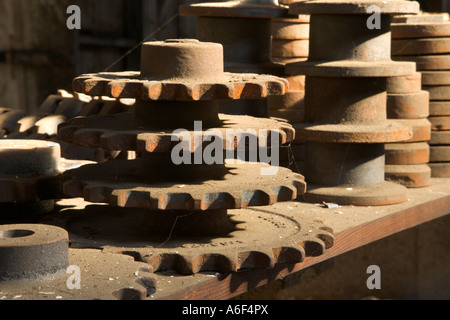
(181, 58)
(330, 164)
(30, 251)
(347, 37)
(22, 158)
(244, 40)
(345, 100)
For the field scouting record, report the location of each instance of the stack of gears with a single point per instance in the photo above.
(425, 39)
(54, 110)
(406, 162)
(181, 83)
(345, 101)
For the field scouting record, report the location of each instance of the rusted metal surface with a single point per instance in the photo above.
(440, 153)
(440, 169)
(31, 176)
(122, 132)
(422, 17)
(200, 194)
(410, 176)
(440, 138)
(407, 153)
(244, 30)
(438, 92)
(426, 41)
(421, 129)
(252, 239)
(242, 8)
(420, 30)
(420, 46)
(440, 123)
(411, 83)
(345, 102)
(122, 183)
(340, 7)
(30, 251)
(35, 260)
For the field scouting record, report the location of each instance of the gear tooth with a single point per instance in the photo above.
(169, 262)
(314, 248)
(327, 236)
(254, 90)
(223, 91)
(213, 262)
(78, 84)
(289, 254)
(66, 131)
(152, 90)
(125, 88)
(133, 198)
(112, 140)
(148, 282)
(254, 260)
(217, 200)
(95, 86)
(195, 91)
(72, 188)
(87, 137)
(255, 198)
(284, 193)
(97, 193)
(277, 87)
(176, 201)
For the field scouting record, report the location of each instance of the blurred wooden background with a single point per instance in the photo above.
(39, 55)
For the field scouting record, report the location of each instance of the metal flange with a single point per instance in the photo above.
(257, 239)
(420, 30)
(439, 138)
(440, 169)
(407, 153)
(410, 176)
(427, 62)
(408, 105)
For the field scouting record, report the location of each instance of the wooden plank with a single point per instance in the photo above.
(355, 227)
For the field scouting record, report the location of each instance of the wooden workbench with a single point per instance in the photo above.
(353, 227)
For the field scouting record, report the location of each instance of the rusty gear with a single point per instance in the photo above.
(121, 183)
(256, 238)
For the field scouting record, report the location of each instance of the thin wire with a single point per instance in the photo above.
(173, 227)
(140, 43)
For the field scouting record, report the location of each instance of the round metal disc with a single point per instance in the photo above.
(235, 9)
(410, 176)
(374, 195)
(353, 7)
(385, 132)
(350, 68)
